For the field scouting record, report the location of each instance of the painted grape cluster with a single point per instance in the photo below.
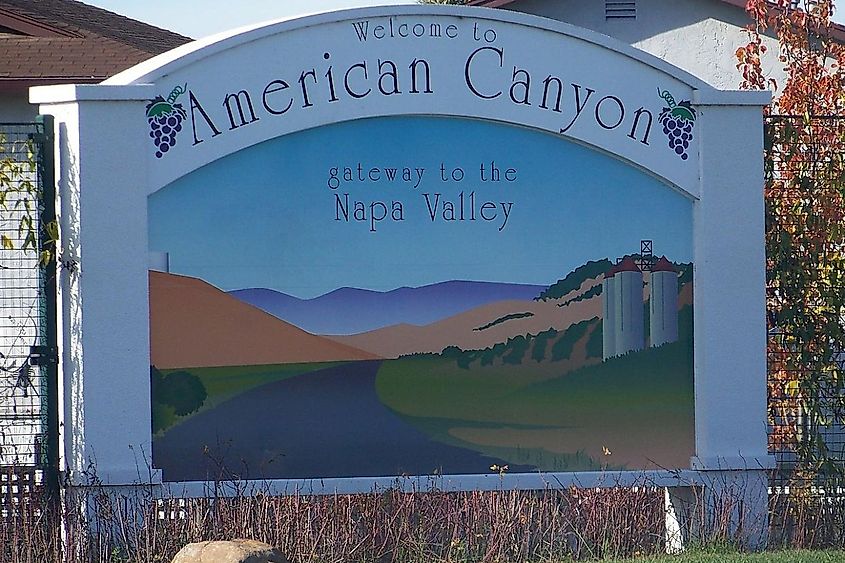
(165, 118)
(678, 121)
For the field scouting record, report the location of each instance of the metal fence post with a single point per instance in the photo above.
(49, 273)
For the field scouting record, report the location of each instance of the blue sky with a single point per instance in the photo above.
(267, 216)
(197, 18)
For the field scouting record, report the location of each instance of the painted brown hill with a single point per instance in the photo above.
(194, 324)
(463, 330)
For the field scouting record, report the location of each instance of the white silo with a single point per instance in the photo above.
(608, 292)
(159, 261)
(630, 329)
(663, 306)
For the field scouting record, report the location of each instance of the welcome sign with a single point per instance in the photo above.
(427, 293)
(432, 241)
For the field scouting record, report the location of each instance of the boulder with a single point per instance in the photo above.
(235, 551)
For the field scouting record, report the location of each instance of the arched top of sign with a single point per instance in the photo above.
(219, 95)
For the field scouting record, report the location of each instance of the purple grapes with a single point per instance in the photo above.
(165, 117)
(677, 119)
(679, 133)
(163, 130)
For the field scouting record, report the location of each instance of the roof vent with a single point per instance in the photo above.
(620, 10)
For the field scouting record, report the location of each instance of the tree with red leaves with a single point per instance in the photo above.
(805, 230)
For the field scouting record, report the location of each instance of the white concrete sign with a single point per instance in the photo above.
(296, 75)
(388, 207)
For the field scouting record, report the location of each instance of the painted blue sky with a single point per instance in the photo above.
(266, 217)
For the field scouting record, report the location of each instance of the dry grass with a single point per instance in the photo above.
(391, 526)
(394, 526)
(806, 519)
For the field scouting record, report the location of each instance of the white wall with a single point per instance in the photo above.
(730, 302)
(103, 300)
(699, 36)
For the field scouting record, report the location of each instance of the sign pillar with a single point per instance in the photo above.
(730, 311)
(104, 353)
(730, 278)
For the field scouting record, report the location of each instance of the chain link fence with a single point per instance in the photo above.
(805, 180)
(28, 428)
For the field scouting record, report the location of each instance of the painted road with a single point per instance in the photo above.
(328, 423)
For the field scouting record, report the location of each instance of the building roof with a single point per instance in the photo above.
(838, 29)
(663, 265)
(627, 265)
(64, 41)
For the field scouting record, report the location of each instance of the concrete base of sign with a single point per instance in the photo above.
(701, 506)
(730, 506)
(451, 483)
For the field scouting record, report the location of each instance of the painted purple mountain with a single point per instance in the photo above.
(351, 311)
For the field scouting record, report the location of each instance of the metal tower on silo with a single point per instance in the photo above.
(630, 328)
(646, 258)
(663, 303)
(608, 333)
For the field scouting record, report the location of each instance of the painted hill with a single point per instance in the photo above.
(475, 329)
(351, 311)
(494, 323)
(194, 324)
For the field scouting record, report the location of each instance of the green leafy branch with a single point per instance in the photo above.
(20, 195)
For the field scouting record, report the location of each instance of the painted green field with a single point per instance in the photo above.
(222, 383)
(632, 412)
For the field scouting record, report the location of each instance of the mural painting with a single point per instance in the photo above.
(420, 295)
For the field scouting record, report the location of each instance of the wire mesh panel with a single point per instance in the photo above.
(805, 222)
(21, 493)
(26, 349)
